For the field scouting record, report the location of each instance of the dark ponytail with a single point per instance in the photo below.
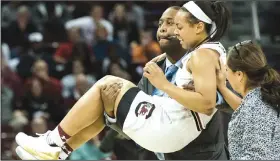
(270, 88)
(222, 18)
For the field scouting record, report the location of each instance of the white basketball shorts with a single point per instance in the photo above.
(158, 124)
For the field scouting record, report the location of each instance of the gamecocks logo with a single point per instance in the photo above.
(144, 109)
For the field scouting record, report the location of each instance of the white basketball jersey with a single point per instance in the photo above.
(183, 76)
(161, 124)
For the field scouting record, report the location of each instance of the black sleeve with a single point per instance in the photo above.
(141, 83)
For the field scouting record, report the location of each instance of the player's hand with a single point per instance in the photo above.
(158, 58)
(189, 86)
(221, 76)
(109, 93)
(155, 75)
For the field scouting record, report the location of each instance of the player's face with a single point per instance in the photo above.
(165, 33)
(185, 32)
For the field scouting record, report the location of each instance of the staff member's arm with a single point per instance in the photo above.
(231, 98)
(203, 65)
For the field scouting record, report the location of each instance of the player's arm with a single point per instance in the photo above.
(203, 66)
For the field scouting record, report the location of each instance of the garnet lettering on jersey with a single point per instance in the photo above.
(144, 109)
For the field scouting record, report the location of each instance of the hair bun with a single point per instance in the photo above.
(215, 6)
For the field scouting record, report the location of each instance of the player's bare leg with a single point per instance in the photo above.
(84, 113)
(108, 94)
(86, 134)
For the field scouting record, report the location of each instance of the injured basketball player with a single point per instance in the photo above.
(158, 124)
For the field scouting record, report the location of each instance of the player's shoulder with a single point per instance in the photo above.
(217, 46)
(210, 49)
(204, 53)
(203, 57)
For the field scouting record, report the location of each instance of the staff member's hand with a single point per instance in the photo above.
(221, 76)
(155, 75)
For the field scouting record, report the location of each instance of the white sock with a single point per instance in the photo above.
(54, 138)
(63, 155)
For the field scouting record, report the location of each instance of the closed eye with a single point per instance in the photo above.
(179, 27)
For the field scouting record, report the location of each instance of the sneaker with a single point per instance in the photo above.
(38, 146)
(22, 154)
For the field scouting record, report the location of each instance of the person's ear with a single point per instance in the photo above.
(240, 76)
(199, 27)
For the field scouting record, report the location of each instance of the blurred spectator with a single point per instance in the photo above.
(100, 49)
(146, 50)
(64, 52)
(8, 13)
(105, 50)
(125, 31)
(135, 13)
(51, 86)
(81, 86)
(88, 24)
(115, 65)
(83, 52)
(36, 44)
(69, 81)
(45, 11)
(20, 29)
(90, 151)
(36, 51)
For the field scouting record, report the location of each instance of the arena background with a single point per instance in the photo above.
(45, 68)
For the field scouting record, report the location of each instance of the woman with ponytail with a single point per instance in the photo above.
(254, 129)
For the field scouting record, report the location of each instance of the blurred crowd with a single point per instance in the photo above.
(53, 52)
